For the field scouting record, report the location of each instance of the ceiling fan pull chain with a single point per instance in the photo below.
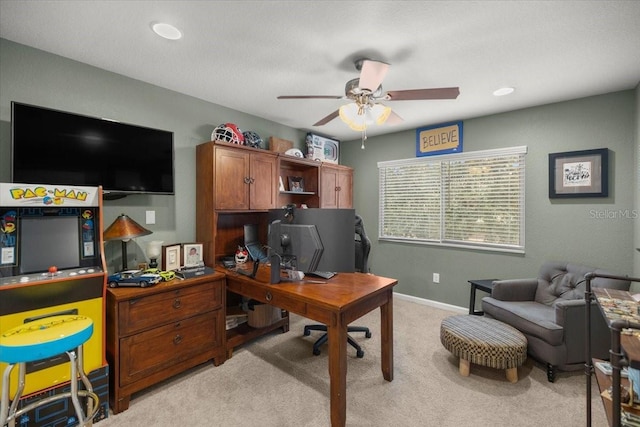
(364, 137)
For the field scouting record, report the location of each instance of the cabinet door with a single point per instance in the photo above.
(345, 189)
(231, 179)
(263, 189)
(336, 190)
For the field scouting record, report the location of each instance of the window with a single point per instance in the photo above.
(473, 199)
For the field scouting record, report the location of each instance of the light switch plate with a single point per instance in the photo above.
(151, 217)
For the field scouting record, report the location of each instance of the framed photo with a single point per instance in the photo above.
(171, 257)
(579, 174)
(192, 253)
(296, 184)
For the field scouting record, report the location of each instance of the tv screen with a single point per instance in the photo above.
(56, 147)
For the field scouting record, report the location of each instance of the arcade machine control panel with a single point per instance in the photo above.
(52, 274)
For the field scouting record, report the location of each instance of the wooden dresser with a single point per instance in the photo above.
(157, 332)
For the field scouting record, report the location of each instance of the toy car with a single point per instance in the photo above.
(166, 275)
(133, 278)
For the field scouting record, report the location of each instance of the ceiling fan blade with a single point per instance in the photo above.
(327, 119)
(394, 119)
(372, 74)
(416, 94)
(309, 97)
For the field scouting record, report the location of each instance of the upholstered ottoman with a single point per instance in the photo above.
(485, 342)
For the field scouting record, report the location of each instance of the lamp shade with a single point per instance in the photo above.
(124, 228)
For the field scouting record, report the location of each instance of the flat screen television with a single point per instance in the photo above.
(57, 147)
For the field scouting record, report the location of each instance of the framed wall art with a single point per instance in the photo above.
(576, 174)
(171, 257)
(192, 253)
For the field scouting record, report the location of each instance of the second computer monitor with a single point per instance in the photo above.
(336, 229)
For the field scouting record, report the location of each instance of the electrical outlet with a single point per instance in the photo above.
(436, 277)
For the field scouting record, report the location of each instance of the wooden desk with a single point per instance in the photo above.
(336, 303)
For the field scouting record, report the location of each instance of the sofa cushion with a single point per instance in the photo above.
(567, 281)
(529, 317)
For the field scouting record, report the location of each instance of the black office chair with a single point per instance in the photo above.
(363, 247)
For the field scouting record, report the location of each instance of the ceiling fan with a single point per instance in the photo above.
(366, 94)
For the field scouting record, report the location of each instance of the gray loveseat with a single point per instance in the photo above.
(550, 311)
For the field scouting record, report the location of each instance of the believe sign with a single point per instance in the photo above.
(445, 138)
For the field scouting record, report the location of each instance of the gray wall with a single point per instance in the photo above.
(35, 77)
(564, 230)
(560, 230)
(636, 175)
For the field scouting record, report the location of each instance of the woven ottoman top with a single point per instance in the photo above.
(484, 341)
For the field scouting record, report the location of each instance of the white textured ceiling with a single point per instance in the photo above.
(243, 54)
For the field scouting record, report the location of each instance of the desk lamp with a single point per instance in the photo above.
(125, 229)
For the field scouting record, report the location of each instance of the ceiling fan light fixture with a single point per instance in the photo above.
(166, 31)
(358, 117)
(380, 113)
(503, 91)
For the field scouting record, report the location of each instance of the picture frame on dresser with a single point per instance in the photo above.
(192, 254)
(171, 257)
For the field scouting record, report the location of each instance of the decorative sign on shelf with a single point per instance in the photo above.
(444, 138)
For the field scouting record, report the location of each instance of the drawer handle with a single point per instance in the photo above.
(177, 340)
(177, 303)
(268, 296)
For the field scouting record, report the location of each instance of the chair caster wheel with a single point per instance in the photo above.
(316, 352)
(368, 335)
(307, 332)
(360, 354)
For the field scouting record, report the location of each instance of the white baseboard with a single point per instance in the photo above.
(431, 303)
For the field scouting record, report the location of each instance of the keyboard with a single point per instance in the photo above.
(322, 274)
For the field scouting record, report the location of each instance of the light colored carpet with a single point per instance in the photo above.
(276, 381)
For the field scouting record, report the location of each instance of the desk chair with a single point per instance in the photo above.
(363, 247)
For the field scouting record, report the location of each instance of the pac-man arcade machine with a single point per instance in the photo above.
(51, 263)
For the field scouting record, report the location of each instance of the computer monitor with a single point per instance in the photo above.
(336, 231)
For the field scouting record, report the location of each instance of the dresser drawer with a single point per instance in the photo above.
(157, 349)
(146, 312)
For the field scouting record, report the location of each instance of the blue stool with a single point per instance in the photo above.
(43, 339)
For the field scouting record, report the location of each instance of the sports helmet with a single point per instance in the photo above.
(228, 132)
(252, 139)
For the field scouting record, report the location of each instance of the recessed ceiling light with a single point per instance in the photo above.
(166, 30)
(503, 91)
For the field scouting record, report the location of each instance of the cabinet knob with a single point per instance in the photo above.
(268, 296)
(177, 339)
(177, 303)
(251, 180)
(247, 180)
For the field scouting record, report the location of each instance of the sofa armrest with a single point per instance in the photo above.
(514, 289)
(570, 314)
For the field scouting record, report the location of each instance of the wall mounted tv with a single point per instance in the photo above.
(57, 147)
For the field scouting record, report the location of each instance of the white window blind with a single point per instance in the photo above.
(469, 199)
